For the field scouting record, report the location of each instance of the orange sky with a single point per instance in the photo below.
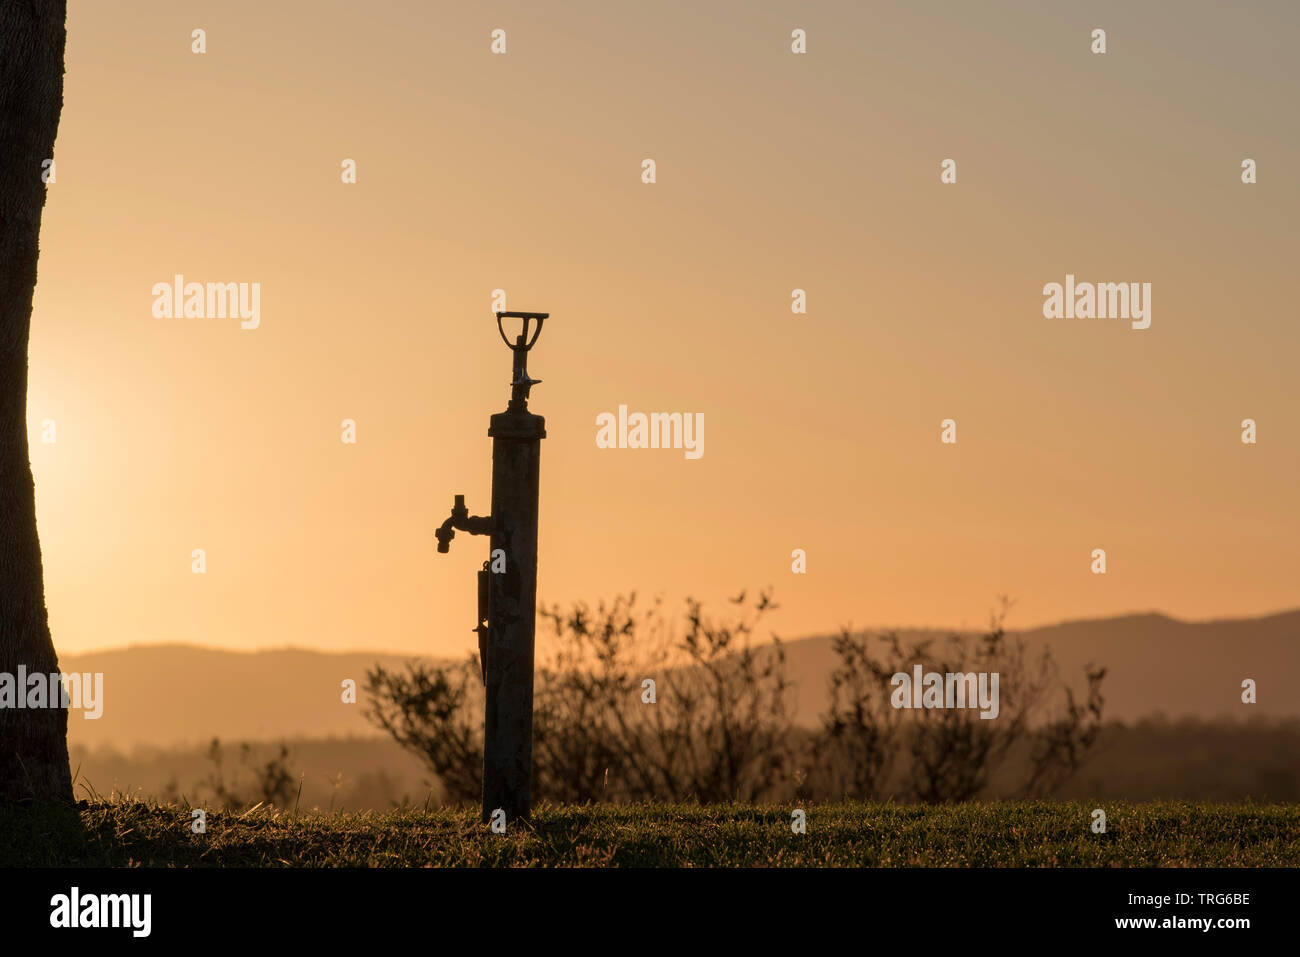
(775, 172)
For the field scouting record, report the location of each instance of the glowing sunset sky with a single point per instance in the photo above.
(774, 172)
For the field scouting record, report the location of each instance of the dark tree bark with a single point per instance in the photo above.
(33, 742)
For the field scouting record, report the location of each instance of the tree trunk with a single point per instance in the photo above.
(33, 741)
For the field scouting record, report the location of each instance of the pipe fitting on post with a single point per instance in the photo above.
(461, 519)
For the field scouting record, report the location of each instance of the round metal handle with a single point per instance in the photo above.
(525, 316)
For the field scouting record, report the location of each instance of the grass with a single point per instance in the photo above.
(132, 833)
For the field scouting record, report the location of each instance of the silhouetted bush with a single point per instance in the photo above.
(715, 730)
(869, 750)
(272, 783)
(715, 725)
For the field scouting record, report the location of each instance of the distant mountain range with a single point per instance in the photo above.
(1155, 664)
(165, 695)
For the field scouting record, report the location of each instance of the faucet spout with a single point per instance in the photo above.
(461, 520)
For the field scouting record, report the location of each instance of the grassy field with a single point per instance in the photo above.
(130, 833)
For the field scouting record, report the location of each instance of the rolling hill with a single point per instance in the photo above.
(165, 695)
